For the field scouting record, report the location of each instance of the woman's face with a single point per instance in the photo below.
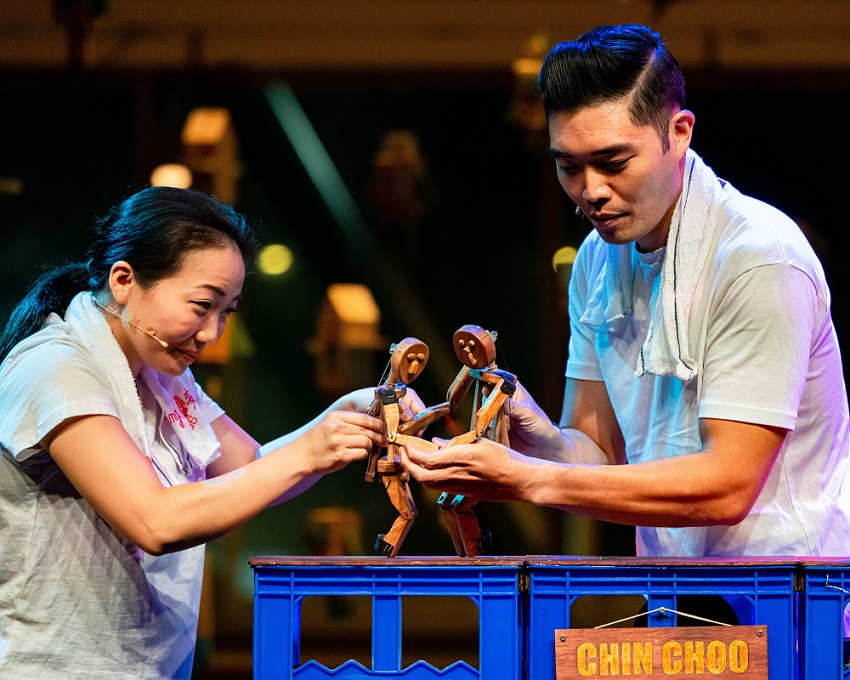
(186, 310)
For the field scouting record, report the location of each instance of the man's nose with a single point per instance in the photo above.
(595, 186)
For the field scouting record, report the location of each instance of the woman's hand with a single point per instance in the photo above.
(339, 438)
(361, 400)
(358, 400)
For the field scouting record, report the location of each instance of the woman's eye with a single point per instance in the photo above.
(205, 305)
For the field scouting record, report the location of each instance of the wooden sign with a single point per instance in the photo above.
(694, 652)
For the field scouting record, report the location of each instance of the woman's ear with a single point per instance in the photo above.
(121, 279)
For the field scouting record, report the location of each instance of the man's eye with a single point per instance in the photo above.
(567, 169)
(616, 165)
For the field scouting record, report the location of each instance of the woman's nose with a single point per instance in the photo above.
(211, 329)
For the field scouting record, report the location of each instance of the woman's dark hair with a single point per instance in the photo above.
(615, 62)
(152, 231)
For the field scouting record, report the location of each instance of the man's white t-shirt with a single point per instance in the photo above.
(767, 351)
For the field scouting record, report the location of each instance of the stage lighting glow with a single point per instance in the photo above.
(564, 256)
(171, 175)
(275, 259)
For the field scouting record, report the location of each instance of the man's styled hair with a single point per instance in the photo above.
(615, 62)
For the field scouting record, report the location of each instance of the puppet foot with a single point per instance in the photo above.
(383, 547)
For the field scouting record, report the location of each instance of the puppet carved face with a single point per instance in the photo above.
(409, 359)
(474, 347)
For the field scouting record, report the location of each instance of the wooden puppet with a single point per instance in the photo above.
(476, 349)
(408, 359)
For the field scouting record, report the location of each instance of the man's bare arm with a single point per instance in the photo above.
(715, 486)
(588, 414)
(586, 405)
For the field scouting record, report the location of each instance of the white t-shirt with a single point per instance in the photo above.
(77, 601)
(763, 337)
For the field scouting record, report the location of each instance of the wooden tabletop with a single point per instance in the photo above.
(304, 561)
(548, 560)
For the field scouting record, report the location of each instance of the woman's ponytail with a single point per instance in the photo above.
(52, 292)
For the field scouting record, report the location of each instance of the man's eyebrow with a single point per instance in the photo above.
(612, 150)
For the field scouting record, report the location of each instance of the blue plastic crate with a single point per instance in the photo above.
(281, 583)
(824, 650)
(760, 592)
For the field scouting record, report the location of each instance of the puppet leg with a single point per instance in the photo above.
(475, 541)
(450, 520)
(467, 537)
(402, 500)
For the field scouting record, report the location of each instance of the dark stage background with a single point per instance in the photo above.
(78, 141)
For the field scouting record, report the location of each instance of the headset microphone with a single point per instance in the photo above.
(147, 331)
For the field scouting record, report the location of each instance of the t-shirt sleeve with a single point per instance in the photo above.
(582, 362)
(44, 386)
(758, 346)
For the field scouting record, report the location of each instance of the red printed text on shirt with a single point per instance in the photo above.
(181, 415)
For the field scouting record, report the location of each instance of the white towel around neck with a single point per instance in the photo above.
(175, 396)
(666, 350)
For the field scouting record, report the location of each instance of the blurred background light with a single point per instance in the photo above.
(275, 259)
(171, 175)
(11, 185)
(354, 303)
(564, 256)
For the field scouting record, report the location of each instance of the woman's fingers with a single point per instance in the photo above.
(342, 437)
(410, 405)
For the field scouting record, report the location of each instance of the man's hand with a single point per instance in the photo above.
(532, 433)
(484, 470)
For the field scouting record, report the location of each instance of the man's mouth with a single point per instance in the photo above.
(605, 217)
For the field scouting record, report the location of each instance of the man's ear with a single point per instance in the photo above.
(681, 129)
(121, 279)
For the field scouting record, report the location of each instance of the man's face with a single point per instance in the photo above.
(618, 173)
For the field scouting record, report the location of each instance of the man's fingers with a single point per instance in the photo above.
(419, 458)
(433, 460)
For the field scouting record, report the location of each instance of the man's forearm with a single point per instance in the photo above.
(568, 445)
(582, 449)
(660, 493)
(715, 486)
